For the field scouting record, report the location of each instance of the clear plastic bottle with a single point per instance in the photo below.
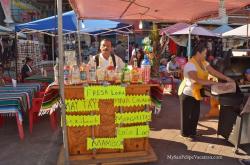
(56, 72)
(146, 69)
(92, 73)
(67, 74)
(84, 73)
(75, 78)
(135, 65)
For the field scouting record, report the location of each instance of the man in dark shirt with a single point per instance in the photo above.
(26, 69)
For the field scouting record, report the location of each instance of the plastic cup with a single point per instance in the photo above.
(14, 82)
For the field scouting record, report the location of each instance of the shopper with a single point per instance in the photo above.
(195, 77)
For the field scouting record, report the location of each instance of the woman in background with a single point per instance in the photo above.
(138, 54)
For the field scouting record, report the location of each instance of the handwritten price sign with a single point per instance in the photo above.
(82, 105)
(132, 117)
(133, 132)
(130, 101)
(104, 143)
(104, 92)
(82, 120)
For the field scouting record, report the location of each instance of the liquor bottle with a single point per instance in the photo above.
(125, 74)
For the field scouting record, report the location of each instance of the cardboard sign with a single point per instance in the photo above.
(82, 105)
(104, 92)
(132, 117)
(133, 132)
(130, 101)
(104, 143)
(82, 120)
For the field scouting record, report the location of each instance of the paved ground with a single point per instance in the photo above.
(42, 147)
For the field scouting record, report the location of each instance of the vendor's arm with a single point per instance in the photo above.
(131, 62)
(217, 74)
(193, 76)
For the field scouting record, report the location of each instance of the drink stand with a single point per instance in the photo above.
(108, 124)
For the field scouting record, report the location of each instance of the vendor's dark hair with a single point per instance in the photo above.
(106, 39)
(28, 59)
(199, 47)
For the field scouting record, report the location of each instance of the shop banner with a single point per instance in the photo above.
(104, 92)
(133, 132)
(131, 101)
(132, 117)
(82, 120)
(82, 105)
(104, 143)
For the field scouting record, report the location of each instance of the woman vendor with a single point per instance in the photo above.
(195, 77)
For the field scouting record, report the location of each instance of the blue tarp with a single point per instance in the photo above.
(222, 29)
(70, 25)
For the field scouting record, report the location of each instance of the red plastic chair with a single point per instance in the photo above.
(19, 125)
(7, 80)
(39, 94)
(1, 121)
(33, 114)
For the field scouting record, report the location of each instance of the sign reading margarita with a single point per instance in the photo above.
(81, 105)
(82, 120)
(104, 92)
(133, 132)
(132, 117)
(135, 100)
(104, 143)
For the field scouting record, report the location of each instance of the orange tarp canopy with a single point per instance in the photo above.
(165, 10)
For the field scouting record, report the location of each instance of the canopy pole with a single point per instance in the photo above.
(61, 80)
(189, 43)
(16, 53)
(53, 50)
(247, 30)
(128, 49)
(78, 40)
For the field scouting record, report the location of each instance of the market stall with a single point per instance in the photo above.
(140, 10)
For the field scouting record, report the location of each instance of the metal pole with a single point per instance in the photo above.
(189, 42)
(247, 29)
(53, 50)
(61, 83)
(78, 39)
(128, 49)
(16, 53)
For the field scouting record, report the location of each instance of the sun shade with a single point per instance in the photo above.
(167, 10)
(238, 32)
(93, 27)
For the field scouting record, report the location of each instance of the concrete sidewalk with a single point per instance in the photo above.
(208, 149)
(42, 147)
